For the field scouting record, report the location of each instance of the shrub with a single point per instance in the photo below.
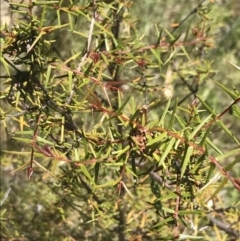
(116, 131)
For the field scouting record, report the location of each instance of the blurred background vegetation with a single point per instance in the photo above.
(58, 203)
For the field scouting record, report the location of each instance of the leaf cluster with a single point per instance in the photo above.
(102, 124)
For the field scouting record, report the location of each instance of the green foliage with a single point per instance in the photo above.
(117, 132)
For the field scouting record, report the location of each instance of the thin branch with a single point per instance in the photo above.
(223, 226)
(89, 41)
(189, 15)
(5, 196)
(85, 54)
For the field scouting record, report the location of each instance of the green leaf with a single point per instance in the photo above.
(168, 210)
(211, 144)
(162, 120)
(207, 107)
(119, 110)
(198, 128)
(230, 93)
(120, 152)
(172, 120)
(156, 139)
(164, 221)
(220, 123)
(87, 174)
(156, 53)
(234, 65)
(190, 237)
(187, 157)
(109, 184)
(166, 152)
(235, 111)
(49, 69)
